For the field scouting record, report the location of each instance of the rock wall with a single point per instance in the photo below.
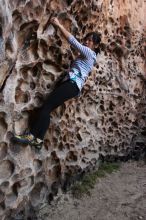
(107, 120)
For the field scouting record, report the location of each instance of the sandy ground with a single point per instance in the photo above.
(118, 196)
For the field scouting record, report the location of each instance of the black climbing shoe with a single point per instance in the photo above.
(28, 139)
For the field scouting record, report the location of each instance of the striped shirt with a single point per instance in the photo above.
(82, 66)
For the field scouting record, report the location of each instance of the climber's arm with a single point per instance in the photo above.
(65, 33)
(85, 51)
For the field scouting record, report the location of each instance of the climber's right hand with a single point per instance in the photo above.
(55, 21)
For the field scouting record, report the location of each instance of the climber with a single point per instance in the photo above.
(70, 86)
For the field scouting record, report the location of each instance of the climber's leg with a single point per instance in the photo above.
(64, 92)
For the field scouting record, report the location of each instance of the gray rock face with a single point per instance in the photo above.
(107, 120)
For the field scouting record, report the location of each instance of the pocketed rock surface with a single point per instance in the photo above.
(108, 120)
(119, 196)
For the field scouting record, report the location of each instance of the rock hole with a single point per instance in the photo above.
(4, 186)
(114, 124)
(55, 172)
(10, 199)
(6, 169)
(21, 96)
(54, 158)
(2, 196)
(2, 208)
(8, 45)
(14, 147)
(36, 70)
(23, 185)
(26, 172)
(69, 2)
(3, 128)
(110, 130)
(50, 197)
(60, 146)
(79, 137)
(48, 76)
(32, 85)
(3, 150)
(38, 194)
(72, 156)
(37, 164)
(54, 188)
(39, 99)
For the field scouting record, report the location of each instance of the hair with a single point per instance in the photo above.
(96, 37)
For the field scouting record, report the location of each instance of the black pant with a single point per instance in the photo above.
(58, 96)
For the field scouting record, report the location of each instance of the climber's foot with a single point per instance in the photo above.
(28, 139)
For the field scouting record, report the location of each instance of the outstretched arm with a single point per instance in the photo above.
(85, 51)
(65, 33)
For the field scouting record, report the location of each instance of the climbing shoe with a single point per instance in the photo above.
(28, 139)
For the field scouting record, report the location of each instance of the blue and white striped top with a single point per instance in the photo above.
(82, 66)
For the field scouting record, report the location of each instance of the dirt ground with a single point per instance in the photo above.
(118, 196)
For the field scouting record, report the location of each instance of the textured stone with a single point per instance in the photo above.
(106, 122)
(6, 169)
